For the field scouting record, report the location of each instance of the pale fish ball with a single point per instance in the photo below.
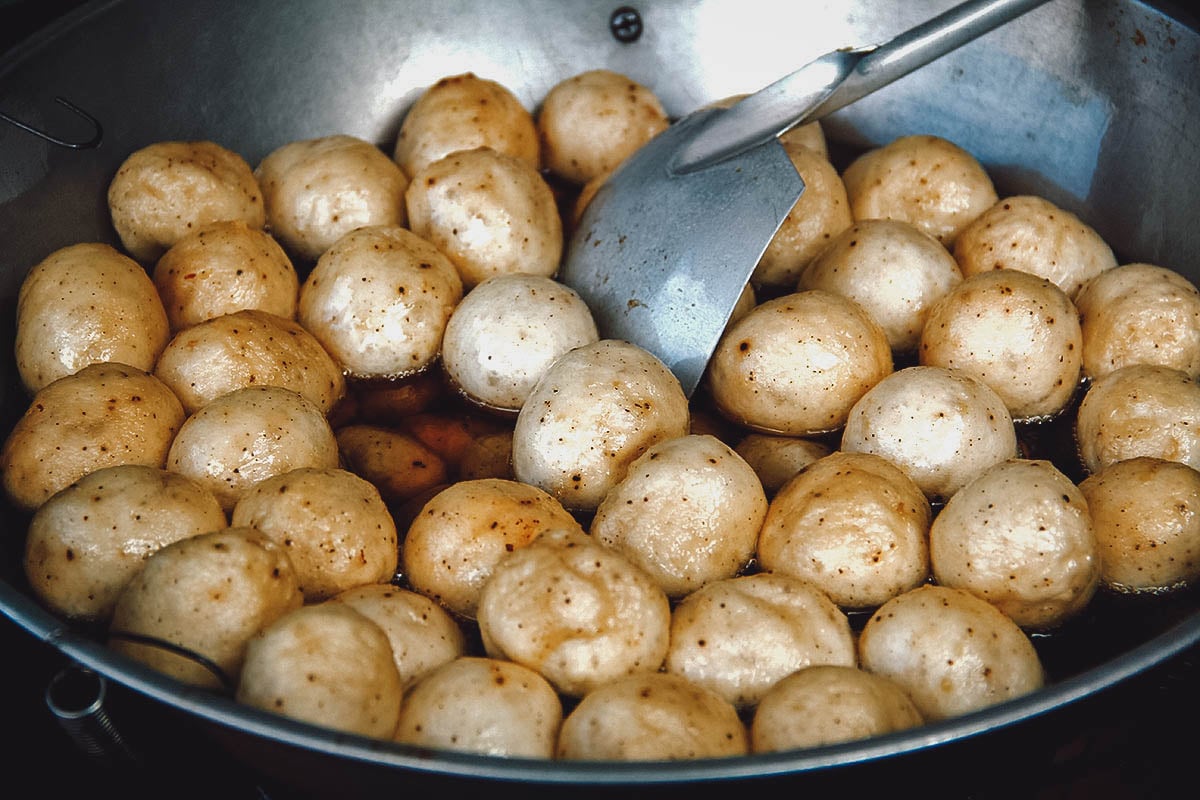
(891, 268)
(854, 525)
(379, 300)
(795, 365)
(104, 415)
(206, 595)
(490, 213)
(942, 427)
(166, 190)
(86, 542)
(225, 267)
(596, 409)
(1032, 234)
(1144, 513)
(829, 704)
(821, 213)
(1019, 536)
(688, 512)
(248, 348)
(250, 435)
(423, 635)
(1014, 331)
(482, 705)
(1139, 314)
(576, 611)
(454, 544)
(326, 664)
(1139, 410)
(776, 459)
(334, 526)
(318, 190)
(462, 112)
(506, 333)
(740, 636)
(86, 304)
(924, 180)
(652, 717)
(952, 652)
(592, 121)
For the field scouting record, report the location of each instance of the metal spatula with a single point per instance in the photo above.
(667, 244)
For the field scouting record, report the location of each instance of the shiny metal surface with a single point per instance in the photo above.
(1091, 103)
(653, 256)
(839, 78)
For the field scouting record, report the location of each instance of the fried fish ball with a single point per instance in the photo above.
(892, 269)
(423, 635)
(85, 304)
(821, 213)
(1020, 536)
(250, 435)
(86, 542)
(379, 300)
(489, 456)
(574, 610)
(827, 704)
(248, 348)
(166, 190)
(207, 594)
(399, 465)
(506, 333)
(651, 717)
(591, 122)
(326, 664)
(462, 533)
(853, 524)
(1032, 234)
(1144, 514)
(777, 459)
(334, 526)
(318, 190)
(740, 636)
(1139, 314)
(1014, 331)
(1139, 410)
(482, 705)
(491, 213)
(596, 409)
(222, 268)
(924, 180)
(941, 426)
(795, 365)
(104, 415)
(462, 112)
(688, 512)
(951, 652)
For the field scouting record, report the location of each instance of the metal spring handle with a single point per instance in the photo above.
(75, 695)
(94, 141)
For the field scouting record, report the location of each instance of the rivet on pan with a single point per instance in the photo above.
(625, 24)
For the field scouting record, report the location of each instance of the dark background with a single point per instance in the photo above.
(1134, 740)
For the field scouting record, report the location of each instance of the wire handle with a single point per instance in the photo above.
(87, 145)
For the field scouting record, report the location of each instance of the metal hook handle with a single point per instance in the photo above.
(90, 143)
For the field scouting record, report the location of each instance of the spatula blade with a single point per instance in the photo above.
(661, 258)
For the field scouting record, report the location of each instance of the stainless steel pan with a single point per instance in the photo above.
(1093, 104)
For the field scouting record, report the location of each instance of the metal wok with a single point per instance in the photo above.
(1092, 104)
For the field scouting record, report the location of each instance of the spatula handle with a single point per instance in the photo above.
(838, 78)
